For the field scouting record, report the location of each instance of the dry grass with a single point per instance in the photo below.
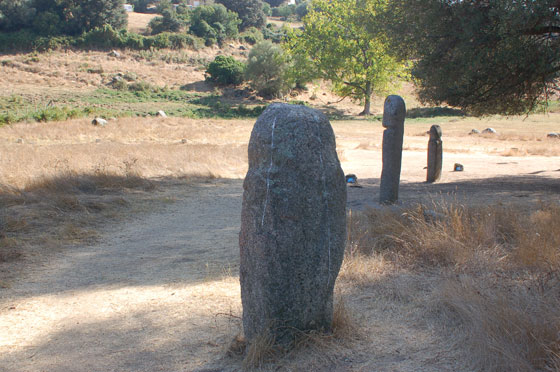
(495, 270)
(65, 209)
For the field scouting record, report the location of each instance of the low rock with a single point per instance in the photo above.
(489, 131)
(114, 53)
(99, 121)
(241, 47)
(161, 114)
(474, 131)
(553, 135)
(184, 140)
(458, 167)
(20, 140)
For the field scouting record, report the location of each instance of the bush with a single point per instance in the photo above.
(284, 11)
(140, 6)
(267, 70)
(214, 23)
(226, 71)
(251, 36)
(168, 22)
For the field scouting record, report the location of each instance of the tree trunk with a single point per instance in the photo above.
(367, 99)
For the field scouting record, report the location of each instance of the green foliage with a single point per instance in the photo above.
(103, 37)
(226, 71)
(250, 12)
(16, 14)
(70, 17)
(251, 36)
(486, 57)
(168, 22)
(267, 70)
(275, 3)
(214, 23)
(343, 41)
(274, 33)
(267, 10)
(284, 11)
(140, 6)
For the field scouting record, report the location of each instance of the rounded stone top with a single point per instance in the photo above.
(394, 111)
(435, 132)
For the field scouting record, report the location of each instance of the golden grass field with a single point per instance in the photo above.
(118, 244)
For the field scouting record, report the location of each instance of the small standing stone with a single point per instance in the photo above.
(435, 154)
(394, 113)
(293, 224)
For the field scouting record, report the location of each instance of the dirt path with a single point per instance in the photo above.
(146, 298)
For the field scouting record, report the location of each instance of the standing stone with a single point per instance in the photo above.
(293, 224)
(435, 154)
(394, 113)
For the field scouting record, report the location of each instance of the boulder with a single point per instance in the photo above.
(553, 135)
(161, 114)
(293, 224)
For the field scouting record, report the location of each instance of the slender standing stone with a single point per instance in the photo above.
(293, 224)
(394, 113)
(435, 154)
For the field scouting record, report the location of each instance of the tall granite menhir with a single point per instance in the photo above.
(394, 113)
(435, 154)
(293, 224)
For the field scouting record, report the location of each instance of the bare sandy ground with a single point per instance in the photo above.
(159, 292)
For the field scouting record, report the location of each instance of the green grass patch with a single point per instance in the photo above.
(139, 99)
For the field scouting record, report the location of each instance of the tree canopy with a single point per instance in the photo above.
(344, 41)
(486, 57)
(61, 16)
(250, 12)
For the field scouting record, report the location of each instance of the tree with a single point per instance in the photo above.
(486, 57)
(250, 12)
(275, 3)
(267, 69)
(214, 23)
(344, 42)
(16, 14)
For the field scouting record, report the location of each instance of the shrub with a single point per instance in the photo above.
(214, 23)
(226, 70)
(168, 22)
(140, 6)
(267, 70)
(251, 36)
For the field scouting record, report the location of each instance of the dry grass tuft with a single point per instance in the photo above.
(260, 351)
(457, 235)
(508, 328)
(504, 295)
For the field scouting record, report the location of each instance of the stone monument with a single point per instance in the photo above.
(293, 224)
(394, 113)
(435, 154)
